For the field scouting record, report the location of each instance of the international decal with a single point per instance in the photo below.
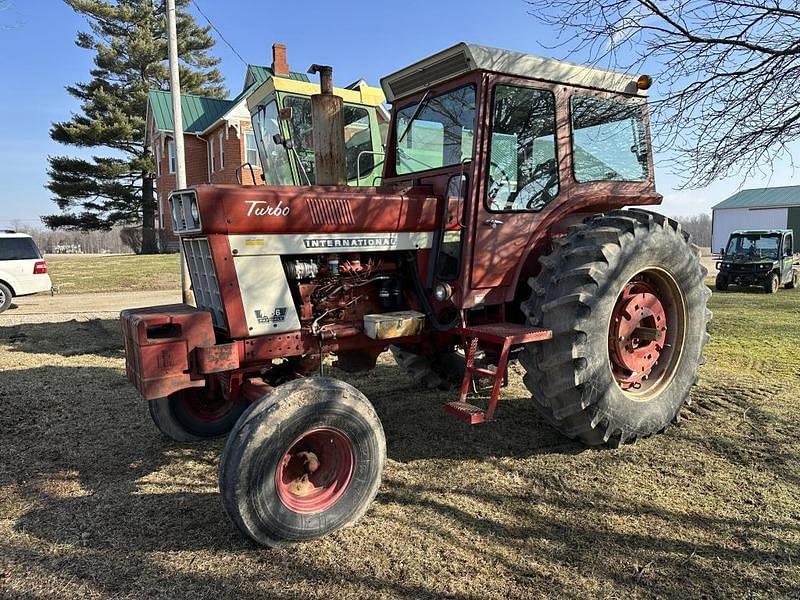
(384, 241)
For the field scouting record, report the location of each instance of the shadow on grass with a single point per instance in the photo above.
(69, 338)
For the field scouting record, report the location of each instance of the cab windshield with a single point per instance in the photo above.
(435, 132)
(755, 246)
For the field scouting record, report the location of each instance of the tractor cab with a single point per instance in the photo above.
(520, 147)
(280, 110)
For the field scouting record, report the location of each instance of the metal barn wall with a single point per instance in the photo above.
(793, 223)
(726, 220)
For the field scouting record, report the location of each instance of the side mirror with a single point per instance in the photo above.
(281, 141)
(722, 251)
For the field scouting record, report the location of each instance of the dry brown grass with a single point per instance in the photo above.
(94, 503)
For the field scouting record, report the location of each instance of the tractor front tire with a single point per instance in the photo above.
(625, 297)
(721, 283)
(772, 283)
(303, 461)
(191, 415)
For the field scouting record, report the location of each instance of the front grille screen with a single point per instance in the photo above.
(204, 279)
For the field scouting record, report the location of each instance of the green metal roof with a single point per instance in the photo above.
(261, 74)
(763, 198)
(199, 112)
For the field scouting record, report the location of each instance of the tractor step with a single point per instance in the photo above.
(469, 413)
(503, 336)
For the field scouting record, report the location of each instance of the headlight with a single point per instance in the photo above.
(726, 265)
(195, 211)
(442, 291)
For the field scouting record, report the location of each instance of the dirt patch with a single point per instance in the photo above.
(95, 503)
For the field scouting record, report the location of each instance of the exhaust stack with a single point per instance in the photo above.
(327, 119)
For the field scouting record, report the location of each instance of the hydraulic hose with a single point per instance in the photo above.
(423, 299)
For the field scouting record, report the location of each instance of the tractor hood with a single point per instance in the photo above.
(233, 209)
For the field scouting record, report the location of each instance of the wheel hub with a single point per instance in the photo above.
(315, 471)
(637, 333)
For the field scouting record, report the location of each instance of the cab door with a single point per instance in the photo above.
(519, 177)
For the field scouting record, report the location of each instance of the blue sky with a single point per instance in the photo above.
(38, 58)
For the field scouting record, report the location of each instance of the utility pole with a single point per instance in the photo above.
(177, 128)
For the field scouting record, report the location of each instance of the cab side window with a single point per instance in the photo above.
(523, 170)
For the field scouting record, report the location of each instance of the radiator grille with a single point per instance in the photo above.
(329, 210)
(204, 279)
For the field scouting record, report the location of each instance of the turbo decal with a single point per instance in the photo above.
(262, 208)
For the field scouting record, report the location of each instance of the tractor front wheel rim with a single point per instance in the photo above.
(315, 471)
(646, 333)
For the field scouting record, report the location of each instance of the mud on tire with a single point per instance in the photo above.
(303, 461)
(578, 292)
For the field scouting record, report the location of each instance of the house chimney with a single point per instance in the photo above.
(279, 64)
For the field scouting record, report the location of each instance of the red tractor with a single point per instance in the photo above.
(498, 233)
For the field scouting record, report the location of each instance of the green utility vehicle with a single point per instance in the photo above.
(763, 257)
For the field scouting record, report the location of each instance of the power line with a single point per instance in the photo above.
(219, 33)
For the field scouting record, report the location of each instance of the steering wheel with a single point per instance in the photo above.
(544, 196)
(497, 184)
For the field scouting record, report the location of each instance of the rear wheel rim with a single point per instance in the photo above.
(647, 330)
(315, 471)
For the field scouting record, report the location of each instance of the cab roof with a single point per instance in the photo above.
(760, 231)
(464, 57)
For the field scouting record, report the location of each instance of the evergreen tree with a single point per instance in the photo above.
(129, 40)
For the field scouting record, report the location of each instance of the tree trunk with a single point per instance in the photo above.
(148, 216)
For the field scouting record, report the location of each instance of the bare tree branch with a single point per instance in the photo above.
(727, 73)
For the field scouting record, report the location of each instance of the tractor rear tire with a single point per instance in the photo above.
(721, 283)
(793, 280)
(190, 415)
(772, 283)
(626, 269)
(304, 460)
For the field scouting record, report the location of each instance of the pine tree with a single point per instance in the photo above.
(129, 40)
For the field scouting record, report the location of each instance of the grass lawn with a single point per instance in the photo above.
(78, 274)
(94, 503)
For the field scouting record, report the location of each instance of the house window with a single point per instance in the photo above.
(172, 160)
(158, 159)
(211, 162)
(250, 149)
(221, 153)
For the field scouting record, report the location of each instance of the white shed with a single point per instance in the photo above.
(764, 208)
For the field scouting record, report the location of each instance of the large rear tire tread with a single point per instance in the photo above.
(569, 376)
(443, 370)
(263, 435)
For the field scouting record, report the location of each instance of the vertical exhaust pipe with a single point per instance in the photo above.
(327, 120)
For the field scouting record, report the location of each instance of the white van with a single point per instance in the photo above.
(22, 270)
